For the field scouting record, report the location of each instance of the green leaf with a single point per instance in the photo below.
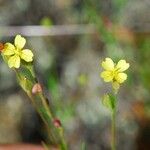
(109, 101)
(24, 71)
(25, 78)
(112, 100)
(29, 66)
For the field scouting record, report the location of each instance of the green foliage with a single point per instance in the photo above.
(109, 101)
(46, 21)
(25, 78)
(144, 61)
(94, 16)
(53, 86)
(63, 109)
(118, 6)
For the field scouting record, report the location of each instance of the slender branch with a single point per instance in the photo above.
(113, 130)
(50, 133)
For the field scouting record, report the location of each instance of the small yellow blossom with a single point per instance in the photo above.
(114, 72)
(15, 53)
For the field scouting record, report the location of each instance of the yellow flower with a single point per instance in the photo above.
(114, 72)
(15, 52)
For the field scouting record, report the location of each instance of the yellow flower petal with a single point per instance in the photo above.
(20, 41)
(121, 77)
(107, 76)
(108, 64)
(14, 61)
(8, 49)
(27, 55)
(122, 65)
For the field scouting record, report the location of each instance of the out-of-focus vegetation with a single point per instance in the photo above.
(68, 66)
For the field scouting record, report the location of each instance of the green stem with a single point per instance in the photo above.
(46, 122)
(60, 132)
(113, 130)
(63, 142)
(39, 102)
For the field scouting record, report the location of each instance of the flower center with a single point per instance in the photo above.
(17, 51)
(114, 74)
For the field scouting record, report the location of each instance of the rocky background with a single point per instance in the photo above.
(68, 67)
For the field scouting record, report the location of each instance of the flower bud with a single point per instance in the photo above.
(57, 123)
(36, 88)
(1, 47)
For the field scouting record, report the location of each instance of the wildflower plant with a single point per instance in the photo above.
(113, 73)
(20, 60)
(14, 53)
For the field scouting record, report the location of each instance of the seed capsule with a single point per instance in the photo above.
(1, 47)
(57, 123)
(36, 88)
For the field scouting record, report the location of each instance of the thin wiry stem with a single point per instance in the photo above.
(113, 130)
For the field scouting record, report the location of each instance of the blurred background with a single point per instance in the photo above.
(69, 39)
